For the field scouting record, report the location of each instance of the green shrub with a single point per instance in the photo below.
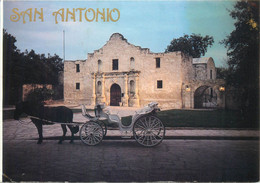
(40, 94)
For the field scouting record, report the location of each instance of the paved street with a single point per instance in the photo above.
(124, 160)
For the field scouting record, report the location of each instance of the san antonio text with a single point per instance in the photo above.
(66, 14)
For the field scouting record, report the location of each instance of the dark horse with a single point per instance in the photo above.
(44, 114)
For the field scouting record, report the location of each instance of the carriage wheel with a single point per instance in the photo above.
(104, 127)
(149, 131)
(91, 133)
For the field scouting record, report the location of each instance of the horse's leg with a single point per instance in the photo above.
(39, 128)
(72, 133)
(64, 129)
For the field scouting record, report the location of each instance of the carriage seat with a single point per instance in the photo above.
(113, 118)
(85, 113)
(145, 110)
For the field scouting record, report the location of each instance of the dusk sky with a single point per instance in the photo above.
(149, 24)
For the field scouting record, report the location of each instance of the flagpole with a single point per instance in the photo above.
(63, 45)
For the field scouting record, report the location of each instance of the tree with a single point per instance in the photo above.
(193, 45)
(13, 69)
(42, 70)
(222, 72)
(26, 68)
(243, 47)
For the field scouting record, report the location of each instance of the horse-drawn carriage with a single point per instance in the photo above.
(147, 129)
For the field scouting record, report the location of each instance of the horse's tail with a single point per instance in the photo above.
(75, 129)
(70, 116)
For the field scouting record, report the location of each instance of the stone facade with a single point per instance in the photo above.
(204, 68)
(123, 74)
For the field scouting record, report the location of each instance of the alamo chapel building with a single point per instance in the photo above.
(122, 74)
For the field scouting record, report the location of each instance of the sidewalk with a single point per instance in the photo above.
(207, 134)
(171, 132)
(13, 130)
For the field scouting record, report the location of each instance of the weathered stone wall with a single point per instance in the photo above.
(71, 77)
(170, 73)
(200, 71)
(211, 67)
(204, 69)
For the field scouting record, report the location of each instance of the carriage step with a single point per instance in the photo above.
(126, 137)
(126, 134)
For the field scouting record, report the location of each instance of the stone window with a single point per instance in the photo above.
(99, 87)
(115, 64)
(77, 68)
(158, 62)
(132, 63)
(99, 65)
(77, 86)
(159, 84)
(210, 74)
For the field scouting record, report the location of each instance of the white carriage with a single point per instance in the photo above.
(147, 129)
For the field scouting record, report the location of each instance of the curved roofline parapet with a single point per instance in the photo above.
(117, 35)
(202, 60)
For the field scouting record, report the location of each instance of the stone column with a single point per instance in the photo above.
(126, 91)
(103, 97)
(186, 94)
(183, 96)
(192, 98)
(136, 96)
(93, 99)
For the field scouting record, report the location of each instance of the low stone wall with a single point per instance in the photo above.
(27, 88)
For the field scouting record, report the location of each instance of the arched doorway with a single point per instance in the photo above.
(115, 95)
(205, 97)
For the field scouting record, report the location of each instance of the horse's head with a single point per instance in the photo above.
(19, 109)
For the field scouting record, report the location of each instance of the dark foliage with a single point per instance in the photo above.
(26, 68)
(40, 94)
(243, 50)
(222, 72)
(194, 45)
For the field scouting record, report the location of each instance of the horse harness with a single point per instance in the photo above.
(48, 121)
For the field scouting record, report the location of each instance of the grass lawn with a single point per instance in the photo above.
(207, 119)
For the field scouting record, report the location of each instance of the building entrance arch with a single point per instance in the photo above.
(115, 95)
(205, 97)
